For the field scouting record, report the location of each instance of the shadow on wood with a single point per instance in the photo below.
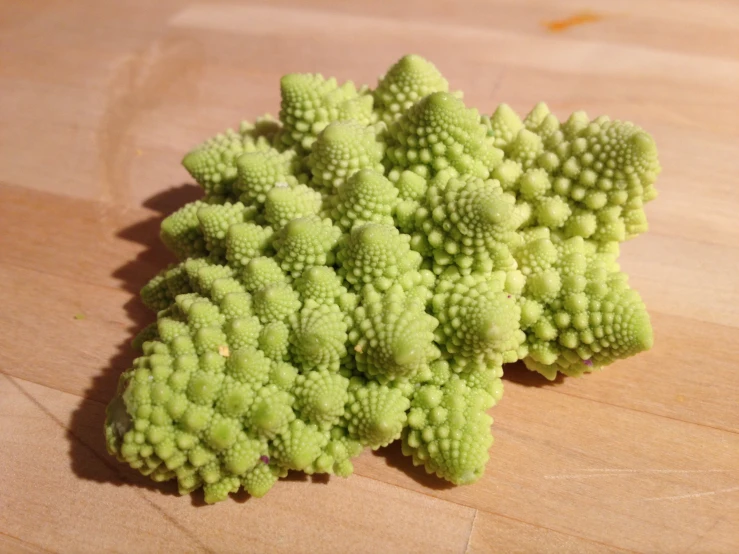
(167, 201)
(395, 458)
(518, 373)
(87, 449)
(137, 273)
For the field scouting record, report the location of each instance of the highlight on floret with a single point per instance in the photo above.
(360, 270)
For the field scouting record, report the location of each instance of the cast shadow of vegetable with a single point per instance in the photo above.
(518, 373)
(395, 458)
(87, 450)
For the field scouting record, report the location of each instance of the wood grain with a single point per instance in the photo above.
(99, 102)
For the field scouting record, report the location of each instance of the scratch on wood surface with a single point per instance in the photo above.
(692, 495)
(30, 545)
(472, 529)
(498, 82)
(611, 472)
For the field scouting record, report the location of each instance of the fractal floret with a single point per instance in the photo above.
(359, 271)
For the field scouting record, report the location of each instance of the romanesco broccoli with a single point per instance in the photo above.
(359, 271)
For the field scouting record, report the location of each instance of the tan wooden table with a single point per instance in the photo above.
(98, 102)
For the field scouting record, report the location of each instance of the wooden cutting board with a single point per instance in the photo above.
(98, 102)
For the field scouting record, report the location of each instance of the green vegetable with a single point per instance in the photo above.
(359, 271)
